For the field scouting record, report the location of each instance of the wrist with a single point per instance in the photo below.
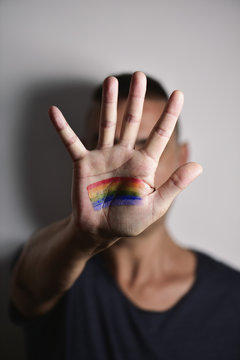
(88, 243)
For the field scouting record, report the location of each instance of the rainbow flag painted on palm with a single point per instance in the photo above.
(115, 191)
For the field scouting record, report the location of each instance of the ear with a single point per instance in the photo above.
(183, 153)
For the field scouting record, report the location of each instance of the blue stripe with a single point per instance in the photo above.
(116, 201)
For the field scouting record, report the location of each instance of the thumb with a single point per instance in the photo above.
(177, 182)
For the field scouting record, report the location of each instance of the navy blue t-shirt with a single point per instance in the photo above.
(95, 320)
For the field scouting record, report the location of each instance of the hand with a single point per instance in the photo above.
(113, 190)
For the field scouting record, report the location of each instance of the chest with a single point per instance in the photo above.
(158, 296)
(103, 326)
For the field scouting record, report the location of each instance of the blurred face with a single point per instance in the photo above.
(174, 155)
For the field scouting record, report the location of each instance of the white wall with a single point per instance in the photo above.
(52, 52)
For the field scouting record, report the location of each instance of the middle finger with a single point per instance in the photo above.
(134, 108)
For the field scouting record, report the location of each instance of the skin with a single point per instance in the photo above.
(149, 267)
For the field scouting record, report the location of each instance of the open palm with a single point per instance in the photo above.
(113, 190)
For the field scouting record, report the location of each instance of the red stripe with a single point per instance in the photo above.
(114, 179)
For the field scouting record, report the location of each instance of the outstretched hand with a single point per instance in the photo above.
(113, 190)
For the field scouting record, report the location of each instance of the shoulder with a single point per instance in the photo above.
(219, 276)
(218, 265)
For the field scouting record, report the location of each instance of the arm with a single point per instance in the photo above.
(113, 196)
(50, 262)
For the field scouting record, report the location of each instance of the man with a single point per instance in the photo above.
(109, 282)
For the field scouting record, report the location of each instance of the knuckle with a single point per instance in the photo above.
(162, 132)
(107, 100)
(146, 153)
(71, 140)
(106, 145)
(107, 124)
(176, 181)
(130, 118)
(62, 127)
(171, 113)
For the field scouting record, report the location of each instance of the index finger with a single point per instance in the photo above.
(164, 127)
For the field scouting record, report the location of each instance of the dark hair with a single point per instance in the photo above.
(154, 90)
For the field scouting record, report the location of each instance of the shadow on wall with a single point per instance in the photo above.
(45, 167)
(44, 172)
(11, 339)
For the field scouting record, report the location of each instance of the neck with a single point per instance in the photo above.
(151, 254)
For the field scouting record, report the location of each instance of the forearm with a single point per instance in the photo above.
(50, 262)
